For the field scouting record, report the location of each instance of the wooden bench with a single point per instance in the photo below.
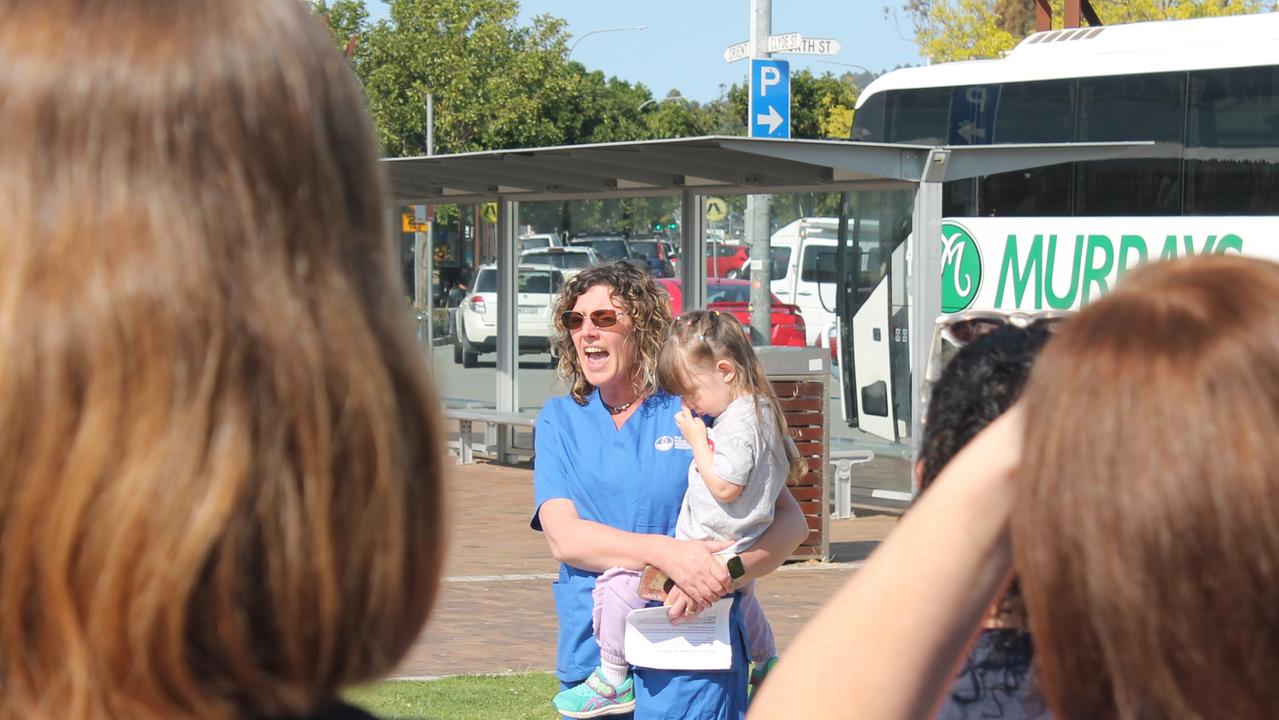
(465, 417)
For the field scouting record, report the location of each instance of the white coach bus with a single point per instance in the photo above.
(1059, 236)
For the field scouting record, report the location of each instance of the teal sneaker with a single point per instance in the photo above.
(758, 672)
(596, 698)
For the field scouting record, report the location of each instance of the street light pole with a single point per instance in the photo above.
(588, 33)
(863, 68)
(655, 101)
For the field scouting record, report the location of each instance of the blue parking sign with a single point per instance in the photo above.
(769, 107)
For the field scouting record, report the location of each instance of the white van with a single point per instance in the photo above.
(804, 264)
(539, 240)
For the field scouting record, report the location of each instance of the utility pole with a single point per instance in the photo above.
(758, 207)
(423, 255)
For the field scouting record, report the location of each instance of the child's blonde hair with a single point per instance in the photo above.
(704, 337)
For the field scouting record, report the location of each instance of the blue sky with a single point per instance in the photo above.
(683, 47)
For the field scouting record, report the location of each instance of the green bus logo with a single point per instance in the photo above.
(961, 268)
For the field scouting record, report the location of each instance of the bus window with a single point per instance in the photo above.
(1031, 112)
(1132, 107)
(868, 122)
(1035, 112)
(1230, 112)
(972, 114)
(917, 116)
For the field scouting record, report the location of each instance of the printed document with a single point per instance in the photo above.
(699, 644)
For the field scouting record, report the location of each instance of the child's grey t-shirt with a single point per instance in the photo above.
(748, 452)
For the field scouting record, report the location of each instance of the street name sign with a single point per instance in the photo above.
(740, 51)
(769, 109)
(796, 43)
(783, 43)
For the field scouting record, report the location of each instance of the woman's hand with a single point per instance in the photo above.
(694, 568)
(691, 427)
(680, 608)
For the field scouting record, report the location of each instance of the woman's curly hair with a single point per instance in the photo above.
(641, 299)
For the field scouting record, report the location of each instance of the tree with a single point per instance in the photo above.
(948, 30)
(494, 83)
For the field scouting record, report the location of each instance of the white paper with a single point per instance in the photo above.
(699, 644)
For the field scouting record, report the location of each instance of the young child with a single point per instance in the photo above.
(739, 467)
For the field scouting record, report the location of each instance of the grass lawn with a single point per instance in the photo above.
(465, 697)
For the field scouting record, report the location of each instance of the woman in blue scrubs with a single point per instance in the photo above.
(610, 473)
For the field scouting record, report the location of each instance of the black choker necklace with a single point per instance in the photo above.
(620, 408)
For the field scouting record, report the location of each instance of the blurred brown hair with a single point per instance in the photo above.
(1147, 529)
(219, 472)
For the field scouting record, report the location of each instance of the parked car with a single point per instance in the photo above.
(476, 331)
(726, 261)
(568, 260)
(609, 247)
(733, 297)
(657, 256)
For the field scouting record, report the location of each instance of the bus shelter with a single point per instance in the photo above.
(695, 168)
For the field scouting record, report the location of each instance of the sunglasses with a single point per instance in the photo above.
(572, 320)
(953, 332)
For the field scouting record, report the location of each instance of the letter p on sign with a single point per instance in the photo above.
(769, 75)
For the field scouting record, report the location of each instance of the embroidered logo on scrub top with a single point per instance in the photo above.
(666, 442)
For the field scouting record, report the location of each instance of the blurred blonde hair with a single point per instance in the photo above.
(219, 474)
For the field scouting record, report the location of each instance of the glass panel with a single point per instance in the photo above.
(1035, 112)
(1041, 191)
(1233, 115)
(870, 399)
(917, 116)
(463, 357)
(868, 122)
(1132, 107)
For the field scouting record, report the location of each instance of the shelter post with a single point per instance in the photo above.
(925, 284)
(692, 251)
(508, 330)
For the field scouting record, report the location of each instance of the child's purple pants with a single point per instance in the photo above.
(617, 593)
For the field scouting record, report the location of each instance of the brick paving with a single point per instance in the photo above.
(494, 613)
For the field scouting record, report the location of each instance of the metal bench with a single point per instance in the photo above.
(466, 416)
(843, 462)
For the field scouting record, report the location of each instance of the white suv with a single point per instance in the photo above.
(476, 331)
(569, 260)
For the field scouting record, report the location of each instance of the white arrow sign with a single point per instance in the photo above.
(772, 119)
(740, 51)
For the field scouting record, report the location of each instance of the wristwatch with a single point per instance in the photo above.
(735, 567)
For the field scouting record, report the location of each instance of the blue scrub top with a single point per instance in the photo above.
(631, 478)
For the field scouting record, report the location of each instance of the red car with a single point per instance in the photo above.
(733, 297)
(726, 261)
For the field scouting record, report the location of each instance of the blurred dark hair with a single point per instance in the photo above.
(982, 381)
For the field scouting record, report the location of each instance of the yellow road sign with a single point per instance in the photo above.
(716, 209)
(488, 211)
(408, 224)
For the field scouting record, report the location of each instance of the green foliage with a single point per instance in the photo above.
(950, 30)
(821, 107)
(466, 697)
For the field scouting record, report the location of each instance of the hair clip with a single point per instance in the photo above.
(716, 312)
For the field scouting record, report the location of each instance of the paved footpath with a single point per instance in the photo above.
(494, 613)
